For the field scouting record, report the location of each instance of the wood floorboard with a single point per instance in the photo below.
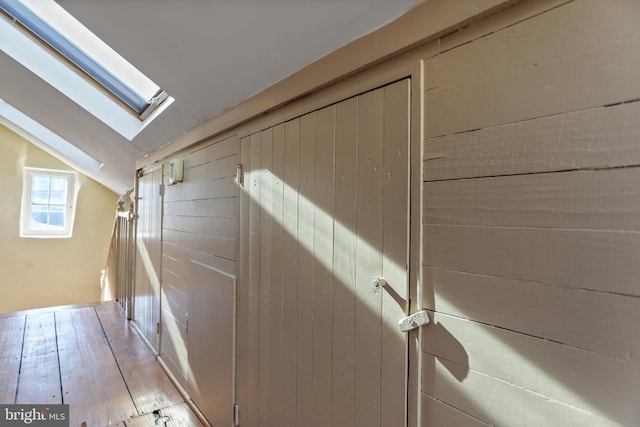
(179, 415)
(40, 371)
(89, 372)
(11, 336)
(90, 358)
(148, 385)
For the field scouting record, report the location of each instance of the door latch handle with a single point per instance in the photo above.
(414, 321)
(378, 283)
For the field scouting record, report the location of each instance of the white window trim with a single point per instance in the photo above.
(25, 213)
(45, 64)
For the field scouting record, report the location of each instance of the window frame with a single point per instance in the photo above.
(70, 206)
(102, 70)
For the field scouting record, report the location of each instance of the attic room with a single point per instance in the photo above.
(357, 213)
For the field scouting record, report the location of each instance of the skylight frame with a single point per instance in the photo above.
(28, 14)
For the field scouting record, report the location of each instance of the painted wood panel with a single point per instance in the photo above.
(225, 207)
(200, 226)
(212, 152)
(437, 413)
(253, 273)
(395, 248)
(243, 381)
(565, 56)
(266, 201)
(498, 402)
(594, 321)
(550, 368)
(602, 261)
(148, 269)
(326, 210)
(323, 195)
(593, 138)
(344, 264)
(276, 280)
(607, 199)
(291, 226)
(192, 243)
(305, 366)
(369, 196)
(211, 180)
(529, 220)
(211, 343)
(225, 228)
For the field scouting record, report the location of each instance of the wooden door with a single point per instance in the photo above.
(326, 212)
(146, 309)
(211, 342)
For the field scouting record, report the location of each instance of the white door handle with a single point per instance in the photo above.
(414, 321)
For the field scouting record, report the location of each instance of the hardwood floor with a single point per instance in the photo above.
(90, 358)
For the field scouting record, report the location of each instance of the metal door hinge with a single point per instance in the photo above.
(158, 328)
(161, 190)
(414, 321)
(236, 414)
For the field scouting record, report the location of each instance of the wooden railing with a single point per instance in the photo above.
(117, 279)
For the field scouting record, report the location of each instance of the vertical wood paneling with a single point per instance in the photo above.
(344, 300)
(255, 187)
(395, 250)
(278, 262)
(146, 311)
(306, 267)
(327, 211)
(290, 325)
(368, 333)
(244, 349)
(323, 282)
(266, 230)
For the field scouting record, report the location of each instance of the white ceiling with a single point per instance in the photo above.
(209, 55)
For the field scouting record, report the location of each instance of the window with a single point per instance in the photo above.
(53, 25)
(48, 203)
(47, 40)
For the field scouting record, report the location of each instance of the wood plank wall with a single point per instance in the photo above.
(324, 208)
(200, 222)
(531, 219)
(146, 311)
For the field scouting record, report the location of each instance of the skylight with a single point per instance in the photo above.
(63, 33)
(44, 138)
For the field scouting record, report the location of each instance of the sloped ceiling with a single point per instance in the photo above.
(210, 55)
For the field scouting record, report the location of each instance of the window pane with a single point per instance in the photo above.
(56, 220)
(40, 197)
(58, 198)
(39, 217)
(59, 184)
(40, 183)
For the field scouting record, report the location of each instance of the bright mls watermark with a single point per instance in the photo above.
(34, 415)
